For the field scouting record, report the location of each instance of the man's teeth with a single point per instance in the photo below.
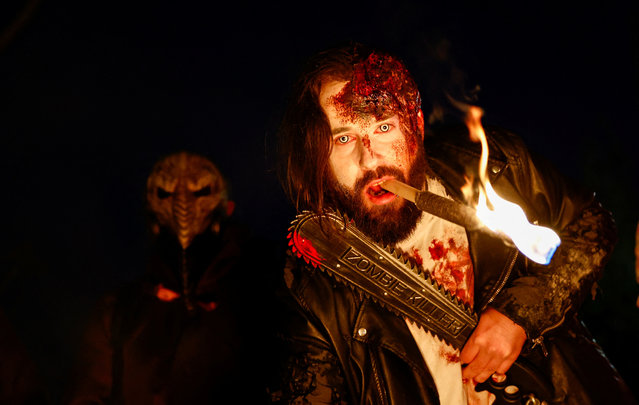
(376, 190)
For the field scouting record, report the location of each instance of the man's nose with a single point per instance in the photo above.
(369, 156)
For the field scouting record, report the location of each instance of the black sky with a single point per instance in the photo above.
(92, 94)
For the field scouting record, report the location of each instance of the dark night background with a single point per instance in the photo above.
(93, 93)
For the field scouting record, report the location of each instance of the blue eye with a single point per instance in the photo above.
(385, 127)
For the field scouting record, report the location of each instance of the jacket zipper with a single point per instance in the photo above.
(502, 282)
(539, 340)
(380, 390)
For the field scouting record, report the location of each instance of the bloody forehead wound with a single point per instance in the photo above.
(380, 87)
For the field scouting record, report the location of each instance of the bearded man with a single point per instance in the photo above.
(354, 121)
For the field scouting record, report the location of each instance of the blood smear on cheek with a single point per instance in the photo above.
(399, 148)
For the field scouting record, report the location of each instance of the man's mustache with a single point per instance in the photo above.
(379, 172)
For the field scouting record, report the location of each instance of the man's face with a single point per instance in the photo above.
(366, 150)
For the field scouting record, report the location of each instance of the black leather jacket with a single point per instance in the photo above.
(344, 348)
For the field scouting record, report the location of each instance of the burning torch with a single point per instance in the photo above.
(538, 243)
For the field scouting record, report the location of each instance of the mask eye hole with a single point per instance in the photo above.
(204, 191)
(162, 193)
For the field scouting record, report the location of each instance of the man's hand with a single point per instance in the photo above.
(492, 347)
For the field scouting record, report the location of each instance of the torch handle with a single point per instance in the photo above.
(448, 209)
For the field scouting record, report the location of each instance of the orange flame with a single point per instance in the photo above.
(502, 216)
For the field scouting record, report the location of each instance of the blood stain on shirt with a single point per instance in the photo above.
(457, 274)
(450, 355)
(436, 249)
(418, 258)
(453, 268)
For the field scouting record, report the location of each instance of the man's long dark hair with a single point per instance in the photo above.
(304, 138)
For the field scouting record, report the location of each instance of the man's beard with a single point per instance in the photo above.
(388, 223)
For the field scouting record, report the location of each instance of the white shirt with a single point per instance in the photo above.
(441, 248)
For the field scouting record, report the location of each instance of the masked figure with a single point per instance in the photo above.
(187, 198)
(179, 336)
